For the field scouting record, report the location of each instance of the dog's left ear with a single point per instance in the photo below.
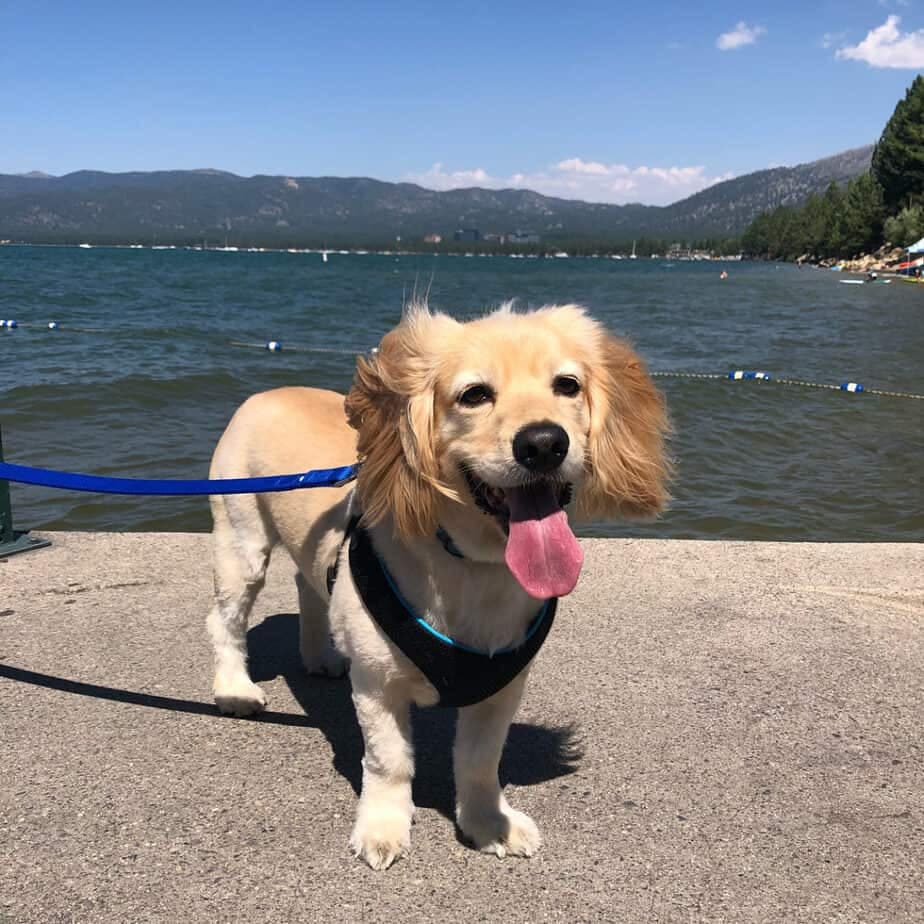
(628, 470)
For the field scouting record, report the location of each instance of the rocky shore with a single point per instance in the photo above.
(884, 260)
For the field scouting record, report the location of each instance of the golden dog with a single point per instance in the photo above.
(473, 438)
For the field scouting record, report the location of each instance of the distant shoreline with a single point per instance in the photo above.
(324, 252)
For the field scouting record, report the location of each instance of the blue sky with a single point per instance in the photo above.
(603, 101)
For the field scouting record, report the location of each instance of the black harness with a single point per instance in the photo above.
(461, 675)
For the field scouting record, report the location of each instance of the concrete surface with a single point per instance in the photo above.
(714, 732)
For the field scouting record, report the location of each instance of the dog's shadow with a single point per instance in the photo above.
(533, 754)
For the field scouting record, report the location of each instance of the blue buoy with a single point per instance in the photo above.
(274, 346)
(738, 374)
(851, 386)
(11, 324)
(52, 325)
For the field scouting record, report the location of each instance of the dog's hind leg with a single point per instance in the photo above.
(318, 653)
(242, 551)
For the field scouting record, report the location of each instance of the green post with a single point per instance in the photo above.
(11, 541)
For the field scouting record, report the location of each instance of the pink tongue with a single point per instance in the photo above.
(541, 551)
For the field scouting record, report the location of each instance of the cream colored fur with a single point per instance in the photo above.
(403, 420)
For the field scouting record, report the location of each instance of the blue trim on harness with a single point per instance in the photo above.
(445, 639)
(102, 484)
(461, 675)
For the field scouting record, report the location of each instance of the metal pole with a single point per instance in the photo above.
(6, 511)
(11, 541)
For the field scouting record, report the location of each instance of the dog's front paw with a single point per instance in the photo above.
(241, 697)
(381, 836)
(504, 832)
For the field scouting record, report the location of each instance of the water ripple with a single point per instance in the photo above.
(150, 391)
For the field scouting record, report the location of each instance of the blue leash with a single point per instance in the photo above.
(101, 484)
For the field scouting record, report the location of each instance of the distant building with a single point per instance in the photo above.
(467, 234)
(433, 239)
(523, 237)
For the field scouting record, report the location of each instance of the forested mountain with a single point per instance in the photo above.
(194, 205)
(883, 207)
(730, 207)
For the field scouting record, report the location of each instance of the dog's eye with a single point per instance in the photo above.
(475, 395)
(566, 385)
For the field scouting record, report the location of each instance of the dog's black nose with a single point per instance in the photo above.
(541, 447)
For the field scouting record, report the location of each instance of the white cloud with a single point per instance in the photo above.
(885, 46)
(457, 178)
(592, 181)
(741, 35)
(576, 165)
(830, 39)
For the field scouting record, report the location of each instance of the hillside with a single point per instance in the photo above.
(732, 205)
(185, 206)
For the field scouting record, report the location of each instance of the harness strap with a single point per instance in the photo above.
(441, 534)
(461, 675)
(335, 567)
(448, 544)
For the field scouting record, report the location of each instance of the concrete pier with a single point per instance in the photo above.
(715, 731)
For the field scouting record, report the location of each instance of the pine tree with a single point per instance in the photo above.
(863, 216)
(832, 237)
(898, 159)
(756, 239)
(813, 214)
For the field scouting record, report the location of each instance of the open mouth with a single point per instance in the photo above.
(496, 503)
(542, 552)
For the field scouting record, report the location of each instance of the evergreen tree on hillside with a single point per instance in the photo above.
(831, 243)
(847, 222)
(813, 224)
(838, 224)
(863, 216)
(898, 159)
(906, 227)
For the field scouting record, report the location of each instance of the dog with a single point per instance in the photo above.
(472, 440)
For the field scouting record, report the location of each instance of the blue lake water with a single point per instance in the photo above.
(148, 384)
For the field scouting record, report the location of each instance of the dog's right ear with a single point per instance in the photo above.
(392, 407)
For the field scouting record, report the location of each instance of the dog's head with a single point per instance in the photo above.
(512, 416)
